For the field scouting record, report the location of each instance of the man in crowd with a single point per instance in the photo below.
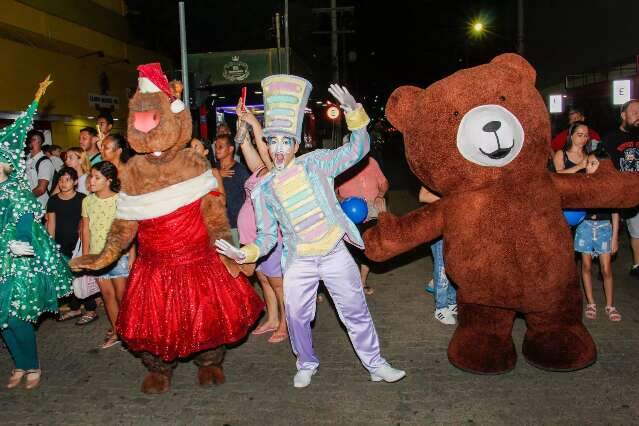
(88, 142)
(574, 115)
(622, 144)
(105, 123)
(39, 169)
(234, 175)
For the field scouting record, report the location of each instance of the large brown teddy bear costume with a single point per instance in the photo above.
(480, 138)
(181, 300)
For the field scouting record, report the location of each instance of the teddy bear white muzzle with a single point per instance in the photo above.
(490, 136)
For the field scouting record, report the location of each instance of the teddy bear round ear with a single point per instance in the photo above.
(400, 108)
(517, 63)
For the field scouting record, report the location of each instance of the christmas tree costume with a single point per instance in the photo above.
(33, 273)
(298, 196)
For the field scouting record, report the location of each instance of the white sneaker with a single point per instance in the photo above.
(303, 378)
(453, 309)
(444, 316)
(387, 373)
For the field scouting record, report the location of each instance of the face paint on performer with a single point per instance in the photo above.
(282, 150)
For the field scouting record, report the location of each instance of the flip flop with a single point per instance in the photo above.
(268, 330)
(68, 316)
(277, 338)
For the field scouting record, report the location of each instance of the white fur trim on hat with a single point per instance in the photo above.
(177, 106)
(146, 86)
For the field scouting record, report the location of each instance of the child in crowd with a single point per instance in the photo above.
(77, 159)
(597, 235)
(98, 212)
(64, 212)
(269, 268)
(444, 292)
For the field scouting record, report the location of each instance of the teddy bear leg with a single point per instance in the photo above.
(158, 379)
(482, 342)
(557, 339)
(210, 366)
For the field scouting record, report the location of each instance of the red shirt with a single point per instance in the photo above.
(560, 138)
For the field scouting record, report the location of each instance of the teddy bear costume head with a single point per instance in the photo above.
(482, 122)
(480, 138)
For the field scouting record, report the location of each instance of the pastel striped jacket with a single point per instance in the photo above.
(301, 198)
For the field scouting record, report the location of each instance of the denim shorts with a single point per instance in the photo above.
(593, 237)
(119, 269)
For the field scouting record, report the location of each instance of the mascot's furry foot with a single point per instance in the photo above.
(482, 342)
(559, 348)
(156, 383)
(208, 375)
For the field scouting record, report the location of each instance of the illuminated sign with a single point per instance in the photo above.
(332, 112)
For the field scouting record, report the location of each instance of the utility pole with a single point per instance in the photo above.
(520, 27)
(277, 36)
(286, 41)
(335, 32)
(184, 57)
(334, 56)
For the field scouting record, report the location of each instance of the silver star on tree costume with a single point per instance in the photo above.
(33, 273)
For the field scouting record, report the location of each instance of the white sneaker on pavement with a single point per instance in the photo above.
(444, 316)
(453, 309)
(387, 373)
(303, 378)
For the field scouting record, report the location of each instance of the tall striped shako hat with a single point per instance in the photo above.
(285, 98)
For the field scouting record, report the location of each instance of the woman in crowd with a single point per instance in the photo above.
(98, 212)
(77, 159)
(597, 235)
(115, 149)
(269, 268)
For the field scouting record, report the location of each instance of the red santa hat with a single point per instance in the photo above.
(153, 80)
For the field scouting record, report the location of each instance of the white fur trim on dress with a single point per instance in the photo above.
(165, 200)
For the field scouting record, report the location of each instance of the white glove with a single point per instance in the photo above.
(20, 248)
(230, 251)
(346, 100)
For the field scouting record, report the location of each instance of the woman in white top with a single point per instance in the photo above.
(77, 159)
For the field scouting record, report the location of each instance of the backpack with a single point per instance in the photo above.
(56, 175)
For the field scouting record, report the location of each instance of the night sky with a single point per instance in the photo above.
(404, 42)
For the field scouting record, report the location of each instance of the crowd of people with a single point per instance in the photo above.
(78, 188)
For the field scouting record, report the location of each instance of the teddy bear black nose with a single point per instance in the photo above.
(491, 126)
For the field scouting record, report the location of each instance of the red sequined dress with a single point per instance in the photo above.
(180, 299)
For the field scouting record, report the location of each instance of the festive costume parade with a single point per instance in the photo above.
(480, 138)
(298, 195)
(182, 298)
(33, 273)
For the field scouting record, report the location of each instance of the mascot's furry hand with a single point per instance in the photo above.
(377, 238)
(20, 248)
(92, 262)
(227, 249)
(346, 100)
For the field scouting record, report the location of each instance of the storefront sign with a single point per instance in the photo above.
(104, 101)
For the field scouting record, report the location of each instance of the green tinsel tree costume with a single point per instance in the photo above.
(29, 285)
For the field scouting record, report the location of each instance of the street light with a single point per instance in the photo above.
(477, 28)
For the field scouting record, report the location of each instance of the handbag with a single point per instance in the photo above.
(84, 285)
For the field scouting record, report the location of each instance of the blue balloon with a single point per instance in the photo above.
(574, 217)
(356, 209)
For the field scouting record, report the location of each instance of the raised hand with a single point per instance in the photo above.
(346, 100)
(227, 249)
(20, 248)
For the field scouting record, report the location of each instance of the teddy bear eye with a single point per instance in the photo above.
(456, 113)
(502, 98)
